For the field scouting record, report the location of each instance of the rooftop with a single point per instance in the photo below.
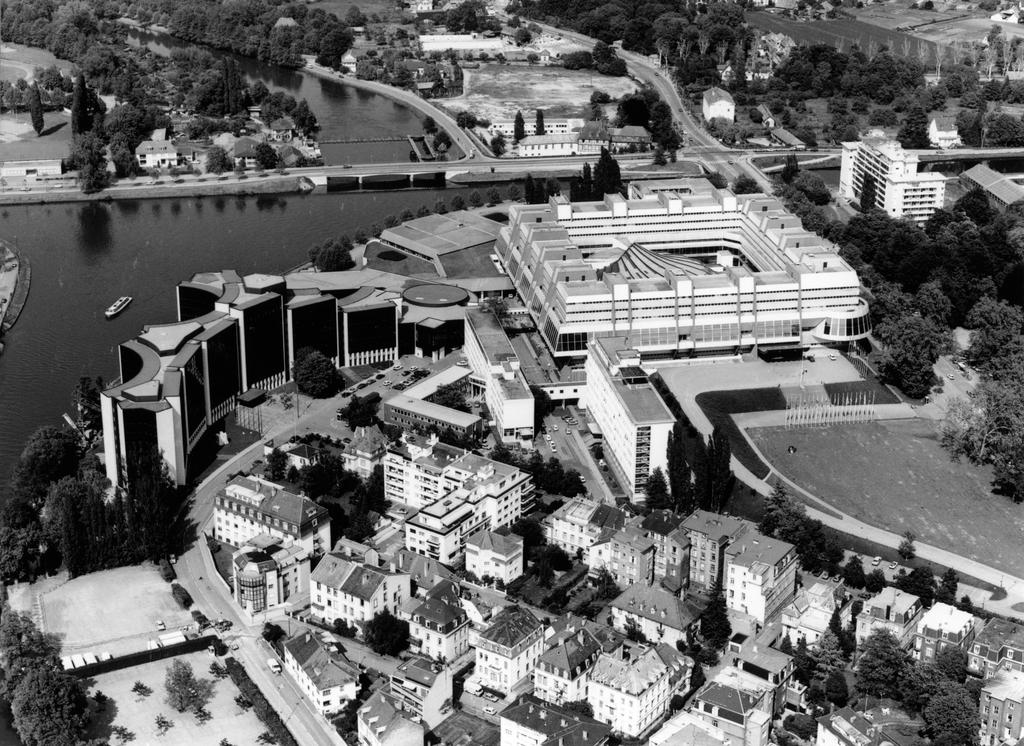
(436, 235)
(715, 94)
(511, 626)
(635, 668)
(754, 548)
(33, 150)
(1005, 684)
(893, 599)
(1000, 633)
(658, 605)
(381, 714)
(326, 669)
(506, 546)
(558, 726)
(945, 618)
(715, 526)
(432, 411)
(355, 579)
(568, 651)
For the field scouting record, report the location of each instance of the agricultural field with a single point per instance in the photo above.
(496, 91)
(840, 31)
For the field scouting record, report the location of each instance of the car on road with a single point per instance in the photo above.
(234, 646)
(832, 356)
(379, 376)
(490, 710)
(823, 574)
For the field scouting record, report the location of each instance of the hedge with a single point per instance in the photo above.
(182, 596)
(267, 714)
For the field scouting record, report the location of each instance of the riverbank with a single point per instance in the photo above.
(15, 279)
(189, 186)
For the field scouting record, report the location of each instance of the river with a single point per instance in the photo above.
(344, 112)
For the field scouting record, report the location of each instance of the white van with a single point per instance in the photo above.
(274, 665)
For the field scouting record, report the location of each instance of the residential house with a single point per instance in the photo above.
(244, 152)
(191, 153)
(438, 625)
(424, 572)
(999, 645)
(156, 154)
(532, 722)
(539, 146)
(808, 616)
(718, 104)
(563, 669)
(594, 136)
(760, 576)
(381, 722)
(893, 610)
(349, 61)
(354, 593)
(772, 668)
(660, 615)
(366, 451)
(283, 129)
(328, 680)
(743, 715)
(299, 455)
(630, 689)
(357, 551)
(423, 688)
(249, 506)
(267, 572)
(628, 555)
(943, 626)
(844, 727)
(710, 534)
(1001, 707)
(672, 548)
(490, 554)
(577, 525)
(942, 132)
(631, 138)
(508, 650)
(767, 118)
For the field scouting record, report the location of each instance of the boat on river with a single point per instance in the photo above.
(117, 306)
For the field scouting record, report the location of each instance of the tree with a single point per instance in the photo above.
(605, 584)
(881, 666)
(518, 127)
(607, 176)
(315, 374)
(994, 324)
(835, 688)
(498, 144)
(952, 714)
(919, 582)
(51, 453)
(914, 131)
(829, 655)
(874, 581)
(333, 255)
(913, 344)
(386, 634)
(853, 572)
(35, 108)
(360, 411)
(744, 184)
(539, 129)
(656, 491)
(266, 156)
(186, 692)
(23, 648)
(532, 533)
(458, 203)
(218, 161)
(451, 395)
(951, 662)
(906, 549)
(49, 708)
(333, 46)
(429, 125)
(714, 622)
(81, 117)
(948, 586)
(475, 199)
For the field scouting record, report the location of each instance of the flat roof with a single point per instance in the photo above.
(431, 294)
(432, 411)
(436, 235)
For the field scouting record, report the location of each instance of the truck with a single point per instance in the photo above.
(274, 665)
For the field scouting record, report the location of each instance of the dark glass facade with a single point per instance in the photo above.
(194, 302)
(371, 329)
(264, 335)
(193, 393)
(315, 326)
(223, 363)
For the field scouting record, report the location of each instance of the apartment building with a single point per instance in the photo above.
(943, 626)
(999, 645)
(1002, 708)
(659, 614)
(578, 524)
(496, 372)
(633, 418)
(882, 167)
(760, 578)
(563, 669)
(630, 689)
(532, 722)
(250, 506)
(423, 688)
(267, 572)
(710, 534)
(680, 268)
(742, 714)
(628, 555)
(490, 554)
(672, 548)
(455, 493)
(808, 616)
(438, 625)
(508, 649)
(355, 592)
(771, 668)
(324, 675)
(892, 610)
(382, 722)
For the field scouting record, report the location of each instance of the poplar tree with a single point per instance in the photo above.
(35, 108)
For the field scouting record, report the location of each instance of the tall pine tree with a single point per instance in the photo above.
(80, 119)
(914, 131)
(519, 128)
(540, 123)
(715, 627)
(35, 108)
(680, 482)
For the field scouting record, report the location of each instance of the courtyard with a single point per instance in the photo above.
(895, 474)
(138, 714)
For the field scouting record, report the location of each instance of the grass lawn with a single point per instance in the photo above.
(949, 505)
(719, 406)
(138, 714)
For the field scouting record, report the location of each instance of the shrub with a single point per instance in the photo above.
(276, 728)
(182, 596)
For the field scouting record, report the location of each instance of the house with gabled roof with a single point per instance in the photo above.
(659, 614)
(561, 674)
(744, 715)
(490, 554)
(354, 592)
(532, 722)
(718, 104)
(383, 722)
(508, 650)
(324, 675)
(438, 625)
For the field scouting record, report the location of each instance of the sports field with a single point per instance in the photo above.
(895, 475)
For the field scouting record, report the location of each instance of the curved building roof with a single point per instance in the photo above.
(640, 263)
(434, 295)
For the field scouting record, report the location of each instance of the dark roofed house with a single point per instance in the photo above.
(538, 723)
(438, 625)
(630, 136)
(741, 714)
(561, 673)
(594, 136)
(354, 592)
(248, 507)
(508, 649)
(325, 676)
(661, 615)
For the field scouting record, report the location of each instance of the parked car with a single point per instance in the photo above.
(876, 561)
(160, 625)
(490, 710)
(893, 565)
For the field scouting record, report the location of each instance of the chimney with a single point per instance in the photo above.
(394, 568)
(308, 637)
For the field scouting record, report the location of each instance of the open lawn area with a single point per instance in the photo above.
(719, 406)
(138, 714)
(895, 475)
(497, 91)
(97, 610)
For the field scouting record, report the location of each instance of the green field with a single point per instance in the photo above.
(896, 475)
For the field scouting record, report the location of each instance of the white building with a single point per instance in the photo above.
(580, 523)
(538, 146)
(495, 555)
(686, 728)
(327, 679)
(455, 494)
(744, 714)
(633, 418)
(424, 689)
(659, 614)
(460, 43)
(366, 451)
(562, 673)
(438, 625)
(883, 166)
(508, 650)
(892, 610)
(267, 572)
(944, 626)
(497, 373)
(382, 722)
(845, 727)
(507, 127)
(718, 104)
(710, 535)
(760, 576)
(250, 506)
(532, 722)
(630, 689)
(158, 154)
(680, 268)
(355, 592)
(807, 617)
(942, 132)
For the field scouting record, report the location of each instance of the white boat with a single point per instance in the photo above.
(117, 306)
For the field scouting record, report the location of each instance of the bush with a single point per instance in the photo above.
(267, 714)
(803, 726)
(182, 596)
(167, 571)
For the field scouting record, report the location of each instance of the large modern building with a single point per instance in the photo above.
(633, 418)
(882, 167)
(234, 334)
(679, 268)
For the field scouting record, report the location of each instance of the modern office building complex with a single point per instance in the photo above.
(882, 167)
(235, 334)
(679, 268)
(633, 418)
